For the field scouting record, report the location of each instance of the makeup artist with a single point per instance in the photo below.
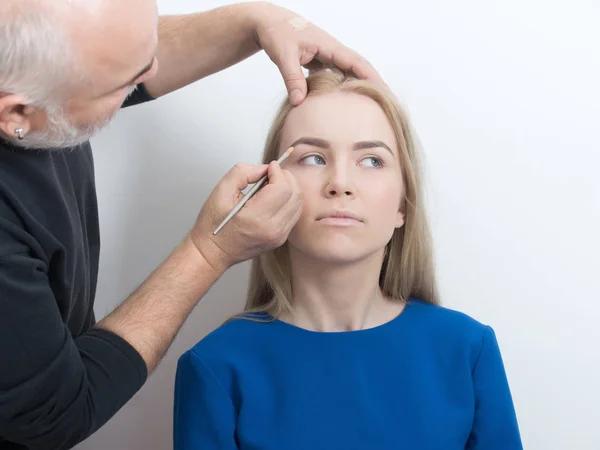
(66, 67)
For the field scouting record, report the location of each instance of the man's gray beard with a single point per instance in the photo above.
(62, 133)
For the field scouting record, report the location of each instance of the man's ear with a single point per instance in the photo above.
(14, 114)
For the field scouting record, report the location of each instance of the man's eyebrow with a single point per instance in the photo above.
(141, 72)
(322, 143)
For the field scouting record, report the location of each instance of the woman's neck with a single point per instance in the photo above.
(335, 297)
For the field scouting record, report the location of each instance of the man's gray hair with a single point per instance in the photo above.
(36, 54)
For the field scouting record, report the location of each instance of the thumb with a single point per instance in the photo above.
(275, 176)
(243, 175)
(295, 81)
(275, 172)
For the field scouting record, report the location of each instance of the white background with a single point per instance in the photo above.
(505, 97)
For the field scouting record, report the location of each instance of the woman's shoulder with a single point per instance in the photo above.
(222, 355)
(237, 335)
(446, 320)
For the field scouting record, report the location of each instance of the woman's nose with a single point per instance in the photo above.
(339, 182)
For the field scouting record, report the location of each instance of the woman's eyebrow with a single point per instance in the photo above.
(363, 145)
(312, 141)
(322, 143)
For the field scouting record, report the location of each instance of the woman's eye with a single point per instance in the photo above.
(373, 161)
(312, 159)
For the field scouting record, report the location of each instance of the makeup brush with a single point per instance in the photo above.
(251, 192)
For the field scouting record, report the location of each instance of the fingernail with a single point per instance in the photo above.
(296, 96)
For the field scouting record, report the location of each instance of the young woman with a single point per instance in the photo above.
(343, 344)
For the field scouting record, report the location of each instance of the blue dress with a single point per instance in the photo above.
(430, 379)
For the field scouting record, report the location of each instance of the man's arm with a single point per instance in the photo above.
(56, 389)
(194, 46)
(150, 318)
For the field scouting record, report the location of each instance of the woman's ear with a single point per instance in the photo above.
(400, 213)
(399, 219)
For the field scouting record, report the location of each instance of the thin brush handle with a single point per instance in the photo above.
(250, 193)
(241, 203)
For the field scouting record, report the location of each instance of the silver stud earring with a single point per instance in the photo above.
(19, 132)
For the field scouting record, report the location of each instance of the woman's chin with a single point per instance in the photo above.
(336, 256)
(334, 249)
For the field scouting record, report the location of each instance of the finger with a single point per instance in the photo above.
(359, 66)
(291, 179)
(287, 217)
(290, 212)
(295, 194)
(346, 59)
(295, 81)
(313, 66)
(295, 198)
(275, 173)
(274, 195)
(275, 178)
(291, 223)
(242, 175)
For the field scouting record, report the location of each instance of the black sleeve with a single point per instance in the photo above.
(140, 95)
(55, 390)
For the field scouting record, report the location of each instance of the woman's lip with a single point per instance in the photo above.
(340, 215)
(340, 221)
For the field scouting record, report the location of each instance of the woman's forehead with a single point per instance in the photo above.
(341, 119)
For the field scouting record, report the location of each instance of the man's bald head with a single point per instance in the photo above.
(73, 54)
(43, 43)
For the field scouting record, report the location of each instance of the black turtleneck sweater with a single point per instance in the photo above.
(60, 378)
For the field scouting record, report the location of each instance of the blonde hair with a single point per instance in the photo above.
(408, 268)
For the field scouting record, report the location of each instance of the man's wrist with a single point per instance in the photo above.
(255, 13)
(207, 255)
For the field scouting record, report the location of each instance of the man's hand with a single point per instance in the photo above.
(292, 43)
(194, 46)
(151, 317)
(263, 223)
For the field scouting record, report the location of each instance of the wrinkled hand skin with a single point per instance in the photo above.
(263, 224)
(292, 42)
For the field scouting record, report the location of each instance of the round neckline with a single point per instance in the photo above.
(409, 305)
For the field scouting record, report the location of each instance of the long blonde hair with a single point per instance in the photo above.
(408, 268)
